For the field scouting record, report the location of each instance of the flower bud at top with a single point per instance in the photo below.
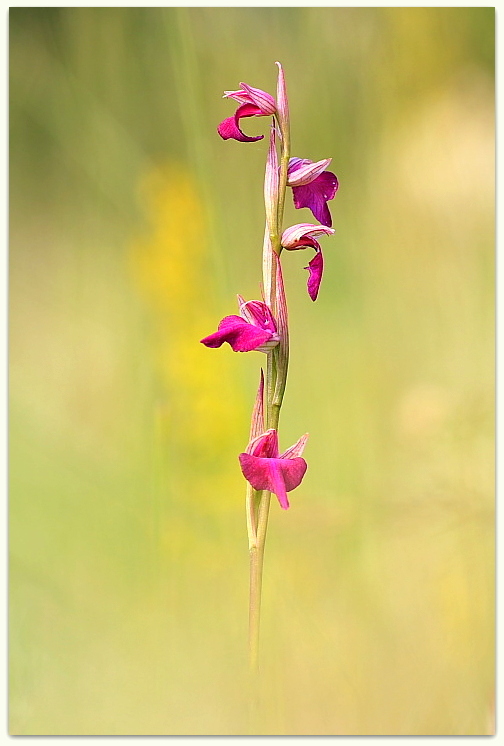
(282, 101)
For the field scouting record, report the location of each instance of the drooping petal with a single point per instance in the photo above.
(256, 470)
(302, 171)
(242, 337)
(293, 471)
(274, 474)
(300, 237)
(277, 483)
(297, 449)
(316, 194)
(230, 127)
(315, 268)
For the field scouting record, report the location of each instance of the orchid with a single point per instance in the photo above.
(312, 186)
(254, 329)
(301, 236)
(265, 469)
(254, 103)
(263, 325)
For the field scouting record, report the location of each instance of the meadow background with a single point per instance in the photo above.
(132, 227)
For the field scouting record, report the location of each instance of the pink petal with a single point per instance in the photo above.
(256, 471)
(265, 445)
(260, 98)
(315, 268)
(274, 474)
(297, 449)
(316, 195)
(229, 128)
(303, 243)
(241, 336)
(258, 313)
(295, 233)
(295, 163)
(276, 482)
(241, 96)
(293, 471)
(302, 171)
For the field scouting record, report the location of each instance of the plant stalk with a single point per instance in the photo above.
(276, 374)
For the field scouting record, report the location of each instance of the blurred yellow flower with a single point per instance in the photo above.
(169, 265)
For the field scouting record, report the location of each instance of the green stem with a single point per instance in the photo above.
(274, 387)
(256, 567)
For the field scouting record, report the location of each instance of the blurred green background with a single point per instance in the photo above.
(133, 226)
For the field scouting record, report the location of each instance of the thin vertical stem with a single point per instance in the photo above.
(276, 367)
(256, 561)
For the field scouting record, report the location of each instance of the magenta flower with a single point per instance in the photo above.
(254, 329)
(301, 236)
(312, 186)
(254, 103)
(265, 469)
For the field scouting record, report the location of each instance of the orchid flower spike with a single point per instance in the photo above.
(312, 186)
(301, 236)
(254, 329)
(265, 469)
(254, 103)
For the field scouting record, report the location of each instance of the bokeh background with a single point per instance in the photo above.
(133, 226)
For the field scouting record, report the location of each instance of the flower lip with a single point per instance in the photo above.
(265, 469)
(315, 268)
(312, 187)
(254, 102)
(230, 128)
(254, 329)
(301, 236)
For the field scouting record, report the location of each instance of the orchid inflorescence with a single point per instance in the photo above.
(262, 325)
